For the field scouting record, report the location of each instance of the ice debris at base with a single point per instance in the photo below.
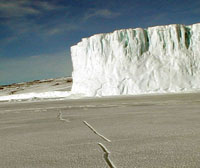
(44, 95)
(137, 61)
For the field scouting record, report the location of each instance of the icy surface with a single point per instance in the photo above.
(42, 95)
(137, 61)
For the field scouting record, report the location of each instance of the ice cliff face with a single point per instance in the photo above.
(136, 61)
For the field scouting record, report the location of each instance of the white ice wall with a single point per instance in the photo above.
(136, 61)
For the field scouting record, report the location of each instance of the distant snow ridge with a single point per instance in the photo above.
(137, 61)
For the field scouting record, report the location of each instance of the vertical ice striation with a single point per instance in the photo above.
(136, 61)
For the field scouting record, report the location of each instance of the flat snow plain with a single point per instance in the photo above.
(155, 131)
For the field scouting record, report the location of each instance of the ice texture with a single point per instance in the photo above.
(138, 61)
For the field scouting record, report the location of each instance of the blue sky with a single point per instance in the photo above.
(36, 35)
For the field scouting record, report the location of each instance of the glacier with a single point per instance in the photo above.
(158, 59)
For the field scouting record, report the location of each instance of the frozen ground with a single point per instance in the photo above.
(144, 131)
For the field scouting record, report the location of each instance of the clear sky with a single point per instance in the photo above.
(36, 35)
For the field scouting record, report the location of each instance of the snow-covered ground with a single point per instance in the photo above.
(38, 89)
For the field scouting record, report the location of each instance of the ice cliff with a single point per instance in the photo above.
(136, 61)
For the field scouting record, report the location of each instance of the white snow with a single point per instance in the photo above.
(138, 61)
(42, 95)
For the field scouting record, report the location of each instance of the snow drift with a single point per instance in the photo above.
(137, 61)
(41, 96)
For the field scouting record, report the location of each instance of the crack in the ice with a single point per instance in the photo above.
(106, 156)
(89, 126)
(61, 118)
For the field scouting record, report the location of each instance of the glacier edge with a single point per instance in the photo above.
(138, 61)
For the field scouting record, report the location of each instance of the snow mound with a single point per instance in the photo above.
(138, 61)
(58, 88)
